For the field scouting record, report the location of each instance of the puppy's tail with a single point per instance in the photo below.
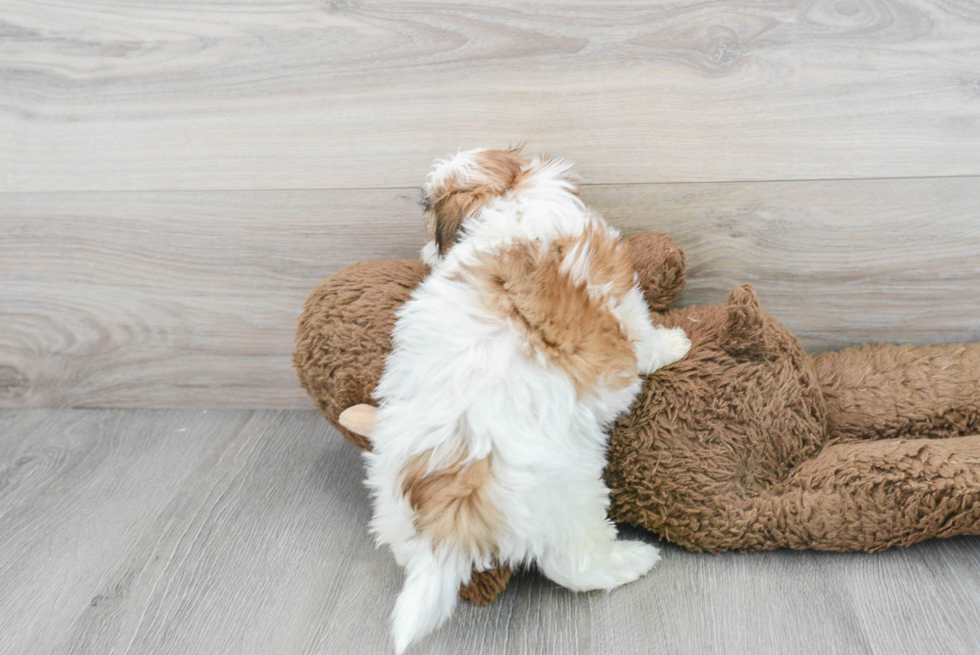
(429, 596)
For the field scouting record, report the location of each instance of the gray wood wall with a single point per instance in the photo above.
(176, 176)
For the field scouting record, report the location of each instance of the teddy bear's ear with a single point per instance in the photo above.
(745, 330)
(659, 266)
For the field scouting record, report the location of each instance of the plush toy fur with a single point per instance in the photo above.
(748, 443)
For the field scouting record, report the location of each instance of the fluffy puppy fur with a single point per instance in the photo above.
(509, 361)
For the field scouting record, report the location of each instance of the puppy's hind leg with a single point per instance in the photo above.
(605, 565)
(592, 558)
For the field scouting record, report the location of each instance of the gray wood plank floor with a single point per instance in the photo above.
(234, 531)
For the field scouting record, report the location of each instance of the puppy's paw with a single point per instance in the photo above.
(631, 560)
(670, 345)
(677, 345)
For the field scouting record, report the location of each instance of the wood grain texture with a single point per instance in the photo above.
(146, 300)
(839, 262)
(76, 490)
(241, 532)
(877, 588)
(190, 299)
(117, 95)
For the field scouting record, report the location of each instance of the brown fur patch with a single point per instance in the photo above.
(565, 319)
(451, 503)
(609, 260)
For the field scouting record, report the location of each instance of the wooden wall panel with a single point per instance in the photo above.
(190, 298)
(839, 262)
(171, 299)
(117, 95)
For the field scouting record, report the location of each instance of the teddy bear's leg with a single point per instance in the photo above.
(656, 346)
(873, 495)
(885, 391)
(484, 586)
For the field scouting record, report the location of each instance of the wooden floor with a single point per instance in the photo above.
(239, 532)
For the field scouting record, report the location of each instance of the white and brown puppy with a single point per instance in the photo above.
(509, 361)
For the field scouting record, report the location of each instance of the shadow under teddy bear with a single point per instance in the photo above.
(748, 443)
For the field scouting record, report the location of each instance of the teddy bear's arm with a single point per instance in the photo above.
(874, 495)
(885, 391)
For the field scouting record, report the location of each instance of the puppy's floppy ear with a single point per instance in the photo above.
(442, 221)
(445, 211)
(447, 217)
(461, 194)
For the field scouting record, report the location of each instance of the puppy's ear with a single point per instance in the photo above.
(463, 191)
(446, 218)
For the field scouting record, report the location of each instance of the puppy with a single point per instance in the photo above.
(509, 361)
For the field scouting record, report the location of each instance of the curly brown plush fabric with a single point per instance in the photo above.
(485, 586)
(344, 334)
(748, 443)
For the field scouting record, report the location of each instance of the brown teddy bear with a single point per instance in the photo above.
(748, 443)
